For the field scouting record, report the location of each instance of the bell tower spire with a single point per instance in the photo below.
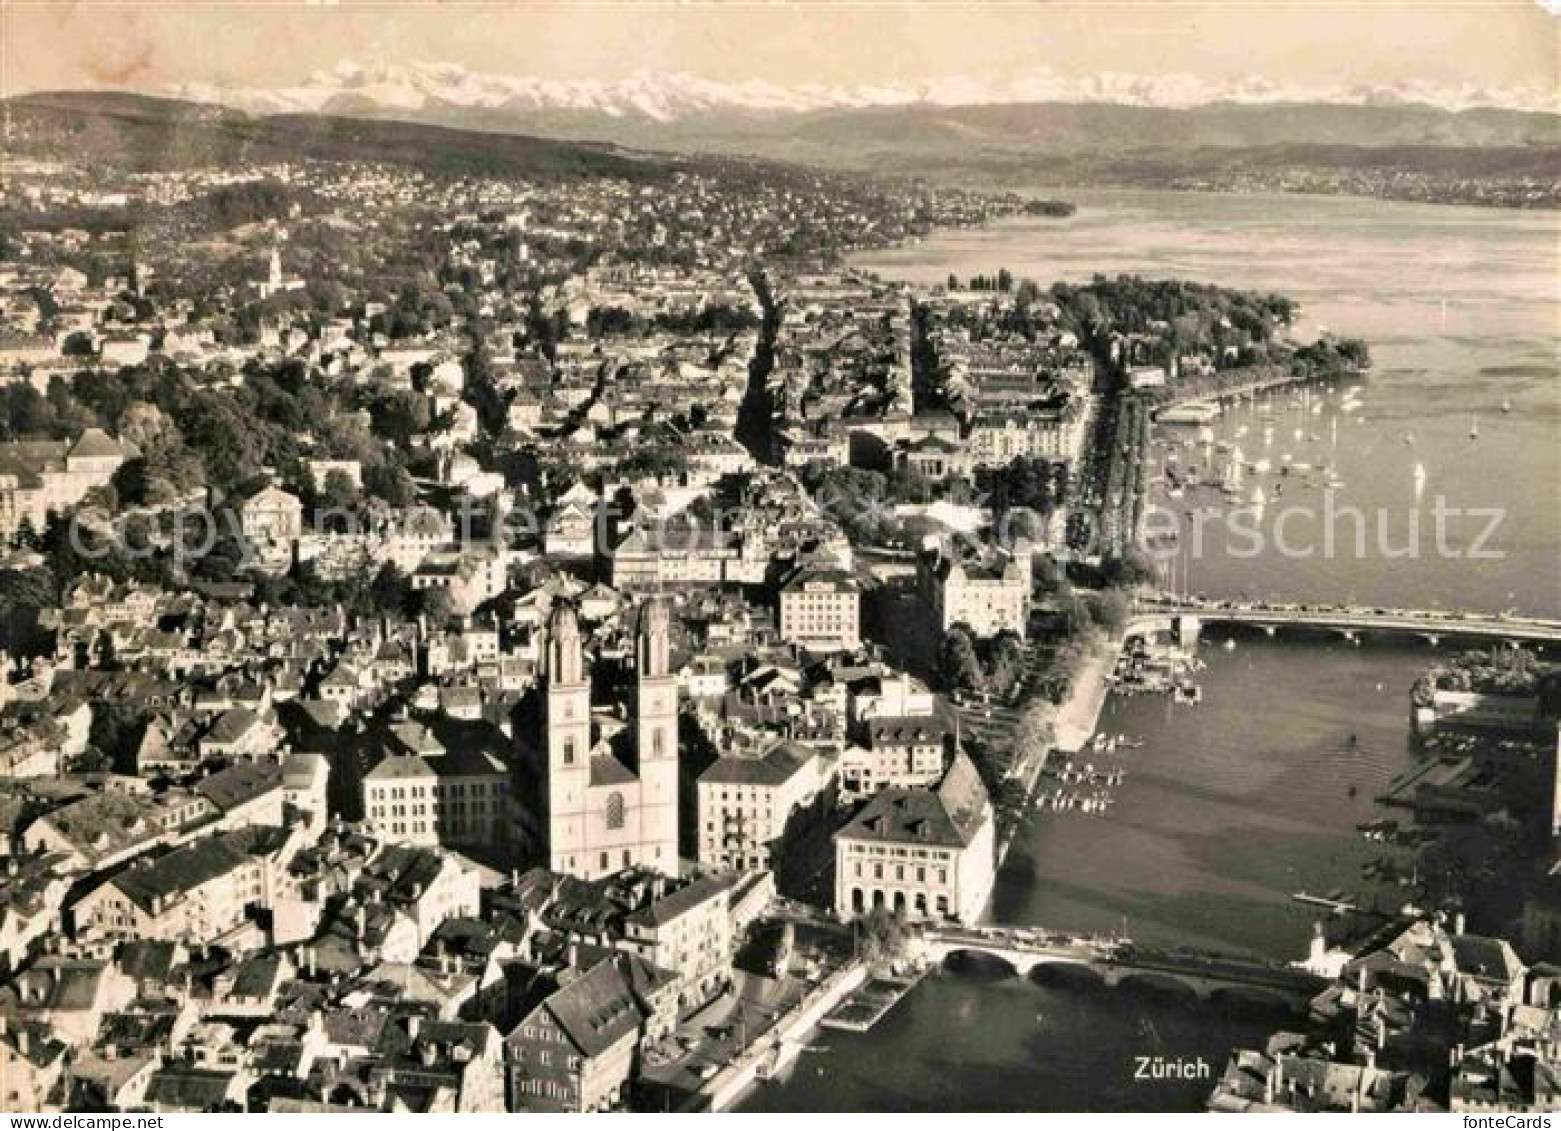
(656, 736)
(653, 643)
(568, 741)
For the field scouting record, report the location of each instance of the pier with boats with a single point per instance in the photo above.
(1148, 665)
(872, 1001)
(1072, 783)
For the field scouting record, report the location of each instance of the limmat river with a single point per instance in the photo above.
(1232, 805)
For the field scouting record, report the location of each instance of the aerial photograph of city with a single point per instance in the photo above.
(764, 557)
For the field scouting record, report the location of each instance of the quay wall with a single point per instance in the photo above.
(1239, 382)
(778, 1048)
(1076, 719)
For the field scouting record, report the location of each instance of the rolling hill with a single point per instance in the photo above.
(1330, 147)
(144, 133)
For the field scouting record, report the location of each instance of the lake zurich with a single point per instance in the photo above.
(1226, 811)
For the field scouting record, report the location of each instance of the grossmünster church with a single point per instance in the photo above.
(611, 795)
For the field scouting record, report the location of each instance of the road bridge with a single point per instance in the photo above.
(1351, 622)
(1118, 962)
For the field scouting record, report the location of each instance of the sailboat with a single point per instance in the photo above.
(1230, 481)
(1506, 406)
(1474, 429)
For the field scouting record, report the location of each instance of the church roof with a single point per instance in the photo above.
(607, 770)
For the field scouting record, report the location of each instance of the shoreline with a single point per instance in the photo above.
(779, 1048)
(1079, 714)
(1077, 194)
(1072, 724)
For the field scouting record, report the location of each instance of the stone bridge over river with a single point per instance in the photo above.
(1350, 622)
(1117, 962)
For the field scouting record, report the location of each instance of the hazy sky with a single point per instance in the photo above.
(150, 46)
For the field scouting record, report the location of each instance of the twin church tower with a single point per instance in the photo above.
(611, 804)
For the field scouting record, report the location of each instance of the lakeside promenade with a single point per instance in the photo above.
(1079, 714)
(1071, 726)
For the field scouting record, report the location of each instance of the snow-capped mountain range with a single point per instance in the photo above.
(418, 88)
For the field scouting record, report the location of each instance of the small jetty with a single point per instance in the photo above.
(1333, 901)
(871, 1003)
(1155, 668)
(1195, 413)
